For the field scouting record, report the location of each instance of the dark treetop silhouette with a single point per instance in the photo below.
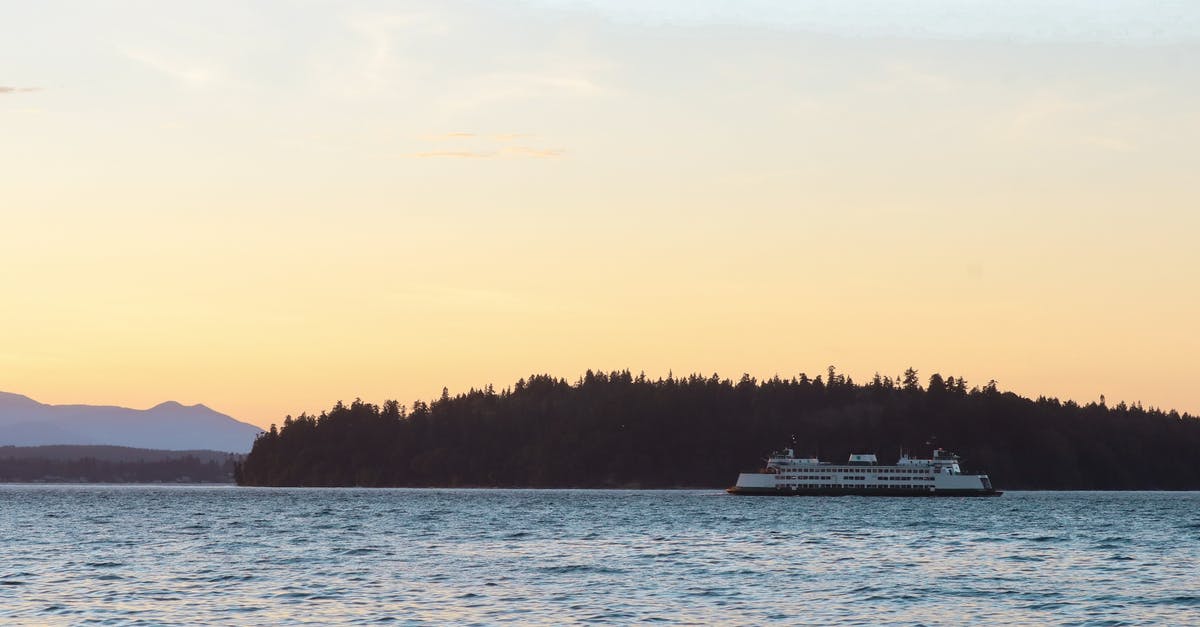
(622, 430)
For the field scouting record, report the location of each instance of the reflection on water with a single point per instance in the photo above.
(223, 555)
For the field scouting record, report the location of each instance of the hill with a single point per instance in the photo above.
(113, 464)
(619, 430)
(68, 452)
(170, 425)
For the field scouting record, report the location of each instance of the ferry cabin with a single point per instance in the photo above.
(862, 474)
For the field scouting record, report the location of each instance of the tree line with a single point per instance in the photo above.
(618, 429)
(187, 469)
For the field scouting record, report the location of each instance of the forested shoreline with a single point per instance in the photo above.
(623, 430)
(186, 469)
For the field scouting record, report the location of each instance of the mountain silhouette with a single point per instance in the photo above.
(169, 425)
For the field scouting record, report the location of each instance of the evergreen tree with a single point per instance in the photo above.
(610, 429)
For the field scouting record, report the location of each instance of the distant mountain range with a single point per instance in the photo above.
(170, 425)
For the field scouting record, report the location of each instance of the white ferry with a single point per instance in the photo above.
(787, 475)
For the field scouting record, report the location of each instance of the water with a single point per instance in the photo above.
(224, 555)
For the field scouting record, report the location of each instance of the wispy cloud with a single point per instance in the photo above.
(904, 76)
(449, 136)
(456, 136)
(414, 58)
(536, 153)
(508, 152)
(488, 89)
(18, 90)
(1115, 144)
(510, 137)
(486, 146)
(188, 74)
(1041, 111)
(381, 63)
(1111, 122)
(454, 154)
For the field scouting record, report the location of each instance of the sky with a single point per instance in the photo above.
(267, 207)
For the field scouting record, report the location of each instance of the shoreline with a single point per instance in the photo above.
(720, 490)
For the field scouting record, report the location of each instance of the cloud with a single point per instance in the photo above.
(189, 75)
(508, 137)
(1115, 144)
(902, 75)
(417, 58)
(460, 154)
(485, 90)
(18, 90)
(499, 137)
(537, 153)
(449, 136)
(1113, 122)
(380, 62)
(486, 146)
(1042, 111)
(1057, 21)
(508, 152)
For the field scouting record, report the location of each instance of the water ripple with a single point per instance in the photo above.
(129, 555)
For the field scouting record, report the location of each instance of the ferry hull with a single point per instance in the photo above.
(746, 491)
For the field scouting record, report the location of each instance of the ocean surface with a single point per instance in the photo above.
(149, 555)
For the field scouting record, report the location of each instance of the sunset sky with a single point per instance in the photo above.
(266, 207)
